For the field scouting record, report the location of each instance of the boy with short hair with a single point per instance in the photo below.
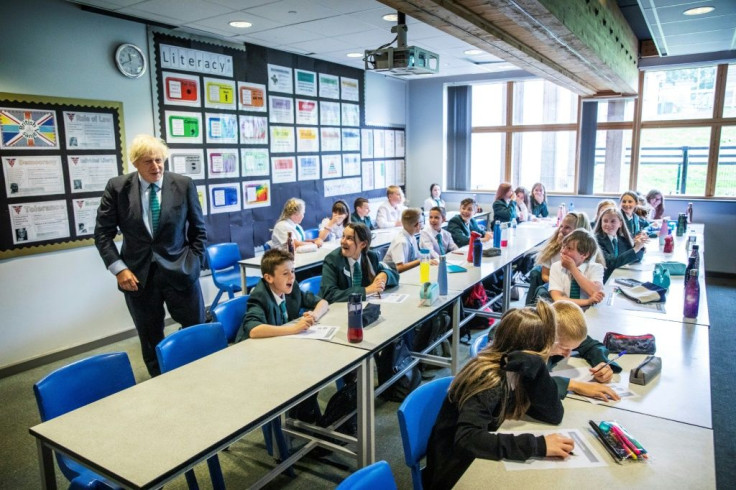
(389, 213)
(277, 299)
(463, 224)
(433, 237)
(362, 213)
(572, 335)
(403, 253)
(578, 276)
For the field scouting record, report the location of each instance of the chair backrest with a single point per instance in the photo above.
(478, 344)
(82, 383)
(311, 284)
(417, 415)
(189, 344)
(375, 476)
(311, 233)
(222, 256)
(231, 314)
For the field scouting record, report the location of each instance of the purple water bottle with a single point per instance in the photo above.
(692, 295)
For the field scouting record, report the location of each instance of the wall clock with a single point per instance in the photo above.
(130, 60)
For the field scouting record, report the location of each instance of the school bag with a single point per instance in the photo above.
(392, 359)
(343, 402)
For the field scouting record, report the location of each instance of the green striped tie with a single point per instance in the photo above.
(615, 247)
(155, 207)
(439, 244)
(284, 315)
(357, 275)
(574, 289)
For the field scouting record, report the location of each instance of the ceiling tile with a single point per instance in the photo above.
(284, 35)
(194, 11)
(220, 23)
(335, 26)
(292, 11)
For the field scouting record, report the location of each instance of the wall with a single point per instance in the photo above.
(55, 301)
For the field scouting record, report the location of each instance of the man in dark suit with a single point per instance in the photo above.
(164, 239)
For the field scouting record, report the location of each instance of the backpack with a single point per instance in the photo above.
(390, 361)
(343, 402)
(475, 300)
(428, 332)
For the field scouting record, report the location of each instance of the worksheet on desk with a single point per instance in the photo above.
(584, 455)
(583, 374)
(620, 301)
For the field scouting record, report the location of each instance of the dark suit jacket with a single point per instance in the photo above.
(354, 218)
(337, 283)
(179, 243)
(262, 307)
(460, 232)
(626, 254)
(504, 212)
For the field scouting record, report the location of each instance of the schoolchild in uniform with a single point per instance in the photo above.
(362, 213)
(462, 224)
(655, 199)
(389, 213)
(523, 204)
(507, 380)
(578, 275)
(354, 268)
(504, 207)
(615, 241)
(435, 239)
(331, 228)
(635, 223)
(434, 199)
(403, 253)
(539, 201)
(290, 221)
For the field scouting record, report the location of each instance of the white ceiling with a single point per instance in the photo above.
(323, 29)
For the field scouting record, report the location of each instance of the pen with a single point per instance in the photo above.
(609, 362)
(611, 450)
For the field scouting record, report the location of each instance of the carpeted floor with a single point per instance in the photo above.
(247, 460)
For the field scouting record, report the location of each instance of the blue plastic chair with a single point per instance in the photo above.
(185, 346)
(376, 476)
(417, 415)
(223, 261)
(311, 233)
(311, 285)
(78, 384)
(478, 344)
(231, 314)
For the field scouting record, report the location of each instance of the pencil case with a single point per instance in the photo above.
(674, 268)
(491, 252)
(429, 293)
(632, 344)
(371, 312)
(646, 371)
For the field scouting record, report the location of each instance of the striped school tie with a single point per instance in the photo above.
(300, 230)
(574, 289)
(615, 247)
(284, 315)
(439, 244)
(155, 207)
(357, 275)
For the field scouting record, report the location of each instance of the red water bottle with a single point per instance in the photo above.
(669, 244)
(474, 235)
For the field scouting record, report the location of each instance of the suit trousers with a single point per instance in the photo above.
(146, 306)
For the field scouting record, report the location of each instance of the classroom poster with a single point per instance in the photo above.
(183, 127)
(308, 167)
(368, 180)
(224, 198)
(253, 130)
(400, 177)
(251, 97)
(222, 128)
(305, 82)
(340, 187)
(181, 89)
(379, 174)
(366, 139)
(33, 175)
(255, 162)
(350, 114)
(282, 139)
(389, 148)
(331, 166)
(307, 140)
(28, 129)
(329, 86)
(89, 130)
(330, 138)
(280, 79)
(85, 215)
(390, 172)
(349, 89)
(306, 112)
(38, 221)
(256, 194)
(329, 113)
(281, 109)
(283, 169)
(219, 93)
(223, 163)
(400, 144)
(350, 139)
(378, 143)
(350, 164)
(90, 173)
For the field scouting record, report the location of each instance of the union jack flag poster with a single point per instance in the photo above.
(28, 129)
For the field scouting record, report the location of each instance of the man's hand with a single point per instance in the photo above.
(127, 280)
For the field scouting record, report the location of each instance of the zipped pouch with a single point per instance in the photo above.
(632, 344)
(646, 371)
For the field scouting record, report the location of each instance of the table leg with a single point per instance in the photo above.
(507, 280)
(243, 281)
(455, 349)
(366, 415)
(46, 461)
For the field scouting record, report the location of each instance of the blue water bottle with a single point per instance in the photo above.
(497, 234)
(477, 252)
(442, 275)
(355, 318)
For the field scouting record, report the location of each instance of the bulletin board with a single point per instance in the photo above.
(57, 155)
(254, 126)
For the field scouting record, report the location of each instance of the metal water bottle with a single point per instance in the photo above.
(474, 236)
(497, 234)
(355, 318)
(442, 275)
(477, 252)
(692, 295)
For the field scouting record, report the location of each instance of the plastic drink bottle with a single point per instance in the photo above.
(355, 318)
(423, 265)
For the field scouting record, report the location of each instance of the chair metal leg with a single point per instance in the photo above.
(217, 299)
(191, 480)
(281, 444)
(218, 481)
(267, 438)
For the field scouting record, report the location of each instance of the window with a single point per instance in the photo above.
(729, 103)
(679, 94)
(726, 175)
(487, 152)
(612, 161)
(543, 102)
(489, 104)
(545, 156)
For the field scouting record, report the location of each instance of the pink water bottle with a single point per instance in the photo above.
(474, 235)
(669, 244)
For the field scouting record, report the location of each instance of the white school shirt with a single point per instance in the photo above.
(281, 230)
(428, 240)
(401, 249)
(387, 215)
(560, 278)
(429, 203)
(555, 258)
(335, 232)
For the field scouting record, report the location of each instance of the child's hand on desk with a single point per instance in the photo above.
(596, 297)
(303, 323)
(602, 372)
(593, 390)
(378, 285)
(558, 445)
(487, 236)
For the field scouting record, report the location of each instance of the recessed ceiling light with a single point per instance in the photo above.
(241, 24)
(391, 17)
(355, 55)
(699, 11)
(473, 52)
